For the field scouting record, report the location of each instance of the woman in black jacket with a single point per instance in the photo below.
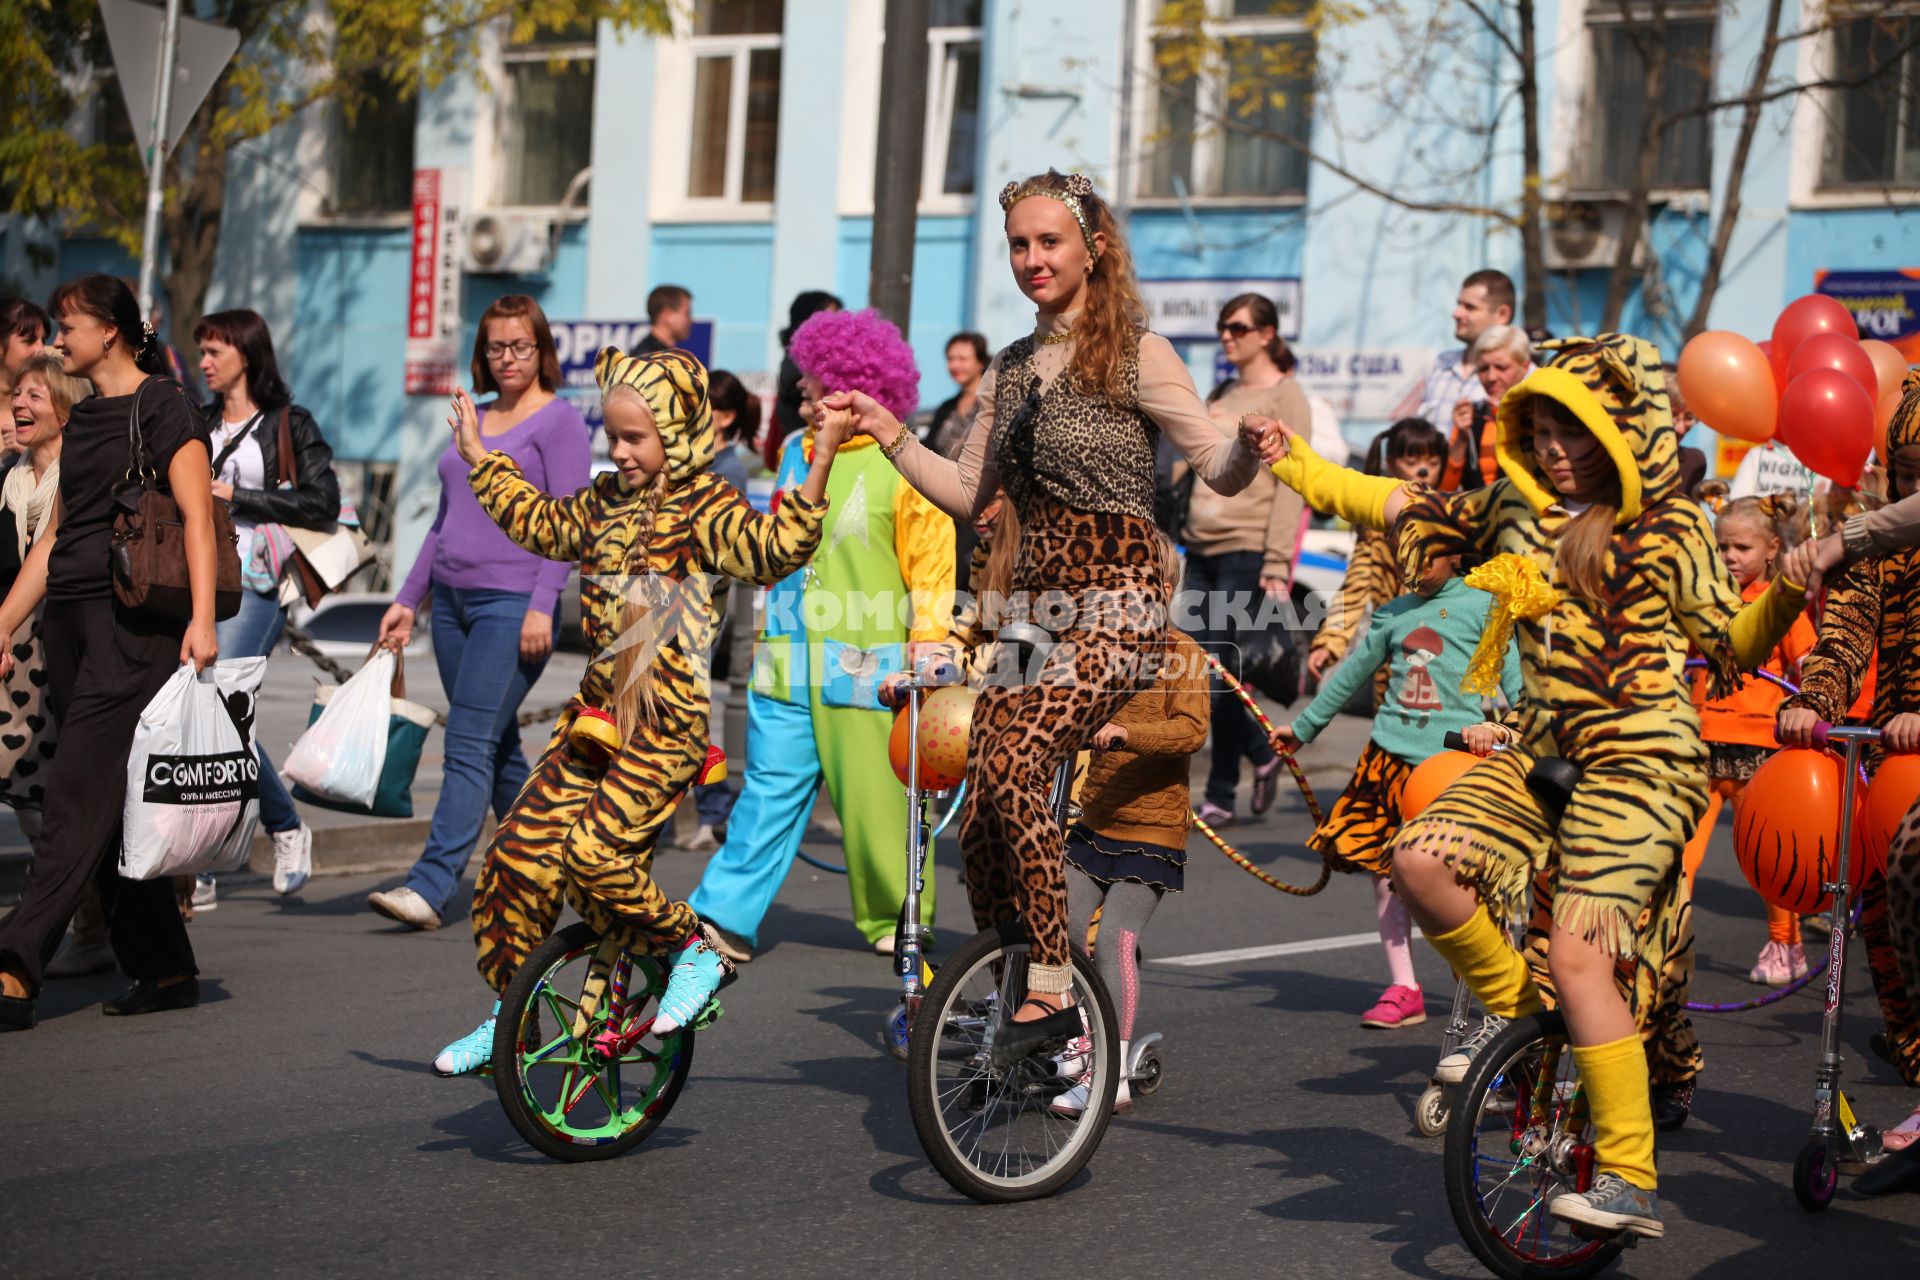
(243, 426)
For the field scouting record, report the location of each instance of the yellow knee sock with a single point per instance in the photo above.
(1614, 1077)
(1497, 974)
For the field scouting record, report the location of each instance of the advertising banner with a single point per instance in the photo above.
(434, 359)
(1886, 304)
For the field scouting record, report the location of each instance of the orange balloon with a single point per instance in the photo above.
(1883, 419)
(899, 753)
(1787, 828)
(1431, 777)
(1895, 786)
(898, 744)
(1889, 367)
(946, 717)
(1728, 384)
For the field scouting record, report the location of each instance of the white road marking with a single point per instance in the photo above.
(1203, 958)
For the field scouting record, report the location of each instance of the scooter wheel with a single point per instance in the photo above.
(1814, 1176)
(1146, 1079)
(896, 1034)
(1430, 1111)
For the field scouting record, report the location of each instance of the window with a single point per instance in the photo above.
(547, 124)
(953, 97)
(373, 151)
(1617, 92)
(1209, 136)
(736, 100)
(1873, 139)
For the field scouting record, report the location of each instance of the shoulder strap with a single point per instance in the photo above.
(288, 474)
(236, 442)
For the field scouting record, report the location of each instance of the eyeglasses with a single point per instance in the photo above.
(1235, 328)
(521, 350)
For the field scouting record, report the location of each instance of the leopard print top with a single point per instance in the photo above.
(1079, 448)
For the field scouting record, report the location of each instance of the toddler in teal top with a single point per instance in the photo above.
(1425, 639)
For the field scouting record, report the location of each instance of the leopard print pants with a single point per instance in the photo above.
(1093, 581)
(1890, 924)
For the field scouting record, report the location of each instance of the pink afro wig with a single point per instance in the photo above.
(859, 351)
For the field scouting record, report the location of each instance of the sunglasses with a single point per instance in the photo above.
(1235, 328)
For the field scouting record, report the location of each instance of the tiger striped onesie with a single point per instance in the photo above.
(583, 828)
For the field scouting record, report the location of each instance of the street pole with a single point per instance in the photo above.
(157, 156)
(896, 175)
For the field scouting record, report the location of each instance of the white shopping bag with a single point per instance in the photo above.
(193, 777)
(341, 754)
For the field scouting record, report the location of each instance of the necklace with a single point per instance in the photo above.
(1055, 339)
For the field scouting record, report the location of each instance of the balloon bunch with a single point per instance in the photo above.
(1814, 386)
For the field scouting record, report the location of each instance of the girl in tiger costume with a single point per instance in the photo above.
(1608, 572)
(647, 537)
(1875, 604)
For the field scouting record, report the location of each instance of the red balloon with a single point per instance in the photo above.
(1826, 418)
(1805, 317)
(1833, 351)
(1777, 363)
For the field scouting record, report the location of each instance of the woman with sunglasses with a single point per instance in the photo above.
(493, 603)
(1240, 548)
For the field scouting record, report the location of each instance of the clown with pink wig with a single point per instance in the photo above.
(876, 595)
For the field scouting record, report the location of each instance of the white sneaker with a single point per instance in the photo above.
(406, 906)
(1074, 1101)
(701, 840)
(1453, 1067)
(292, 859)
(205, 895)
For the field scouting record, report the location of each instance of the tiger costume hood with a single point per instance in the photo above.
(674, 386)
(1615, 386)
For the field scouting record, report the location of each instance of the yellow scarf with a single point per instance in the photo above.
(1519, 590)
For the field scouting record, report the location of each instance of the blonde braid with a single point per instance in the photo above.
(633, 692)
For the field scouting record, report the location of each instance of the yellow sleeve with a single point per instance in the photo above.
(923, 541)
(545, 525)
(1356, 498)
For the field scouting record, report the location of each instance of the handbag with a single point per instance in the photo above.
(149, 546)
(323, 559)
(407, 726)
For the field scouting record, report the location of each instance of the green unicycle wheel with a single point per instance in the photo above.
(575, 1062)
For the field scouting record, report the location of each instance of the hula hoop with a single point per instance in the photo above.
(1239, 859)
(1778, 993)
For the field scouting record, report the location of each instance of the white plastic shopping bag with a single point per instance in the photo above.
(193, 777)
(341, 754)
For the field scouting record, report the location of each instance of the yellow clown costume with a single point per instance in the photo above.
(1604, 687)
(586, 824)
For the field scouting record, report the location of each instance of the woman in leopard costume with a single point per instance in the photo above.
(1067, 424)
(649, 537)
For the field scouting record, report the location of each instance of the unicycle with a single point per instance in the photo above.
(1519, 1135)
(981, 1103)
(1839, 1143)
(575, 1065)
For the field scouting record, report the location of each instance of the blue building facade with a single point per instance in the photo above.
(736, 159)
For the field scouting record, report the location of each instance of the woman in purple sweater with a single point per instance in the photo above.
(493, 605)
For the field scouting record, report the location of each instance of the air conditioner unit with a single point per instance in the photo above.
(508, 243)
(1585, 234)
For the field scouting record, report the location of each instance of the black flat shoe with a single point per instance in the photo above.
(149, 997)
(1672, 1104)
(1013, 1041)
(16, 1013)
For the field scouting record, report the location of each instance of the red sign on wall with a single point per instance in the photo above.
(433, 282)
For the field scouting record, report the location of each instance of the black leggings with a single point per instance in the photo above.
(104, 664)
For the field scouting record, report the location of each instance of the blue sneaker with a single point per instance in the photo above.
(698, 972)
(470, 1052)
(1614, 1204)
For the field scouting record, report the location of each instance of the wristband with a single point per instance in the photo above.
(1856, 537)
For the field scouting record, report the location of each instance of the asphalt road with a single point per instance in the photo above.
(289, 1126)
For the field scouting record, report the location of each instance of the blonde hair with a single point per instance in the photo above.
(63, 388)
(634, 696)
(1167, 558)
(1108, 332)
(1781, 515)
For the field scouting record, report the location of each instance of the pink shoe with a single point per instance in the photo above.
(1779, 964)
(1398, 1006)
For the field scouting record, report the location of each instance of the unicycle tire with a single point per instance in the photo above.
(580, 1074)
(1517, 1136)
(990, 1132)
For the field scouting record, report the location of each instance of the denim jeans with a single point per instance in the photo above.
(1216, 581)
(476, 644)
(252, 633)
